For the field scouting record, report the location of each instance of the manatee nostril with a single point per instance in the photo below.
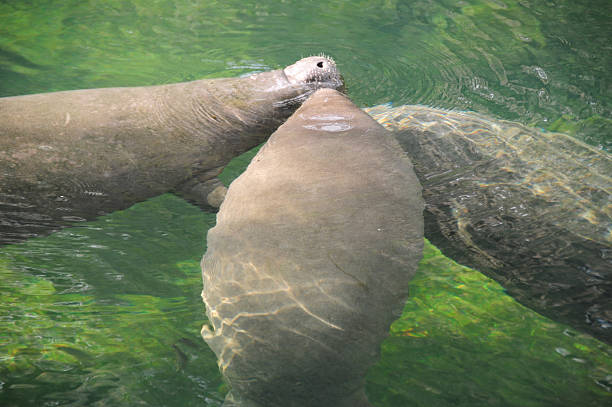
(317, 70)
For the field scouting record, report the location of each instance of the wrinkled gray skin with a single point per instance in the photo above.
(75, 155)
(310, 259)
(532, 210)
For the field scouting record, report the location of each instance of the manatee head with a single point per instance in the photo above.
(320, 71)
(295, 83)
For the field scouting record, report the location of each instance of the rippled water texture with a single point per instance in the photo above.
(108, 313)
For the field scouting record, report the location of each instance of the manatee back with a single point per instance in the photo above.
(531, 209)
(310, 260)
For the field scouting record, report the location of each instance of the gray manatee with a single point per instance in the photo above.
(74, 155)
(310, 259)
(531, 209)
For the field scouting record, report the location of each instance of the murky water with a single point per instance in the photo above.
(108, 313)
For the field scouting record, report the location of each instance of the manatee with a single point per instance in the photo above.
(530, 209)
(74, 155)
(310, 259)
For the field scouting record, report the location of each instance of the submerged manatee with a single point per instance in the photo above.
(310, 259)
(75, 155)
(531, 209)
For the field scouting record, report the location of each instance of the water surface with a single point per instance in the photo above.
(108, 313)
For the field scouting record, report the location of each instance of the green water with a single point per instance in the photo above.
(108, 314)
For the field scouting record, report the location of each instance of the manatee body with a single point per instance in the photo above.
(74, 155)
(310, 259)
(531, 209)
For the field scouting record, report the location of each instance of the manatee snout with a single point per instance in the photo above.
(315, 69)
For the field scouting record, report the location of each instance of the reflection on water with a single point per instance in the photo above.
(109, 313)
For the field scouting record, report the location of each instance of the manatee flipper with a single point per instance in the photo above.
(206, 191)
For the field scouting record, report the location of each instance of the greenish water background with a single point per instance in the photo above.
(109, 313)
